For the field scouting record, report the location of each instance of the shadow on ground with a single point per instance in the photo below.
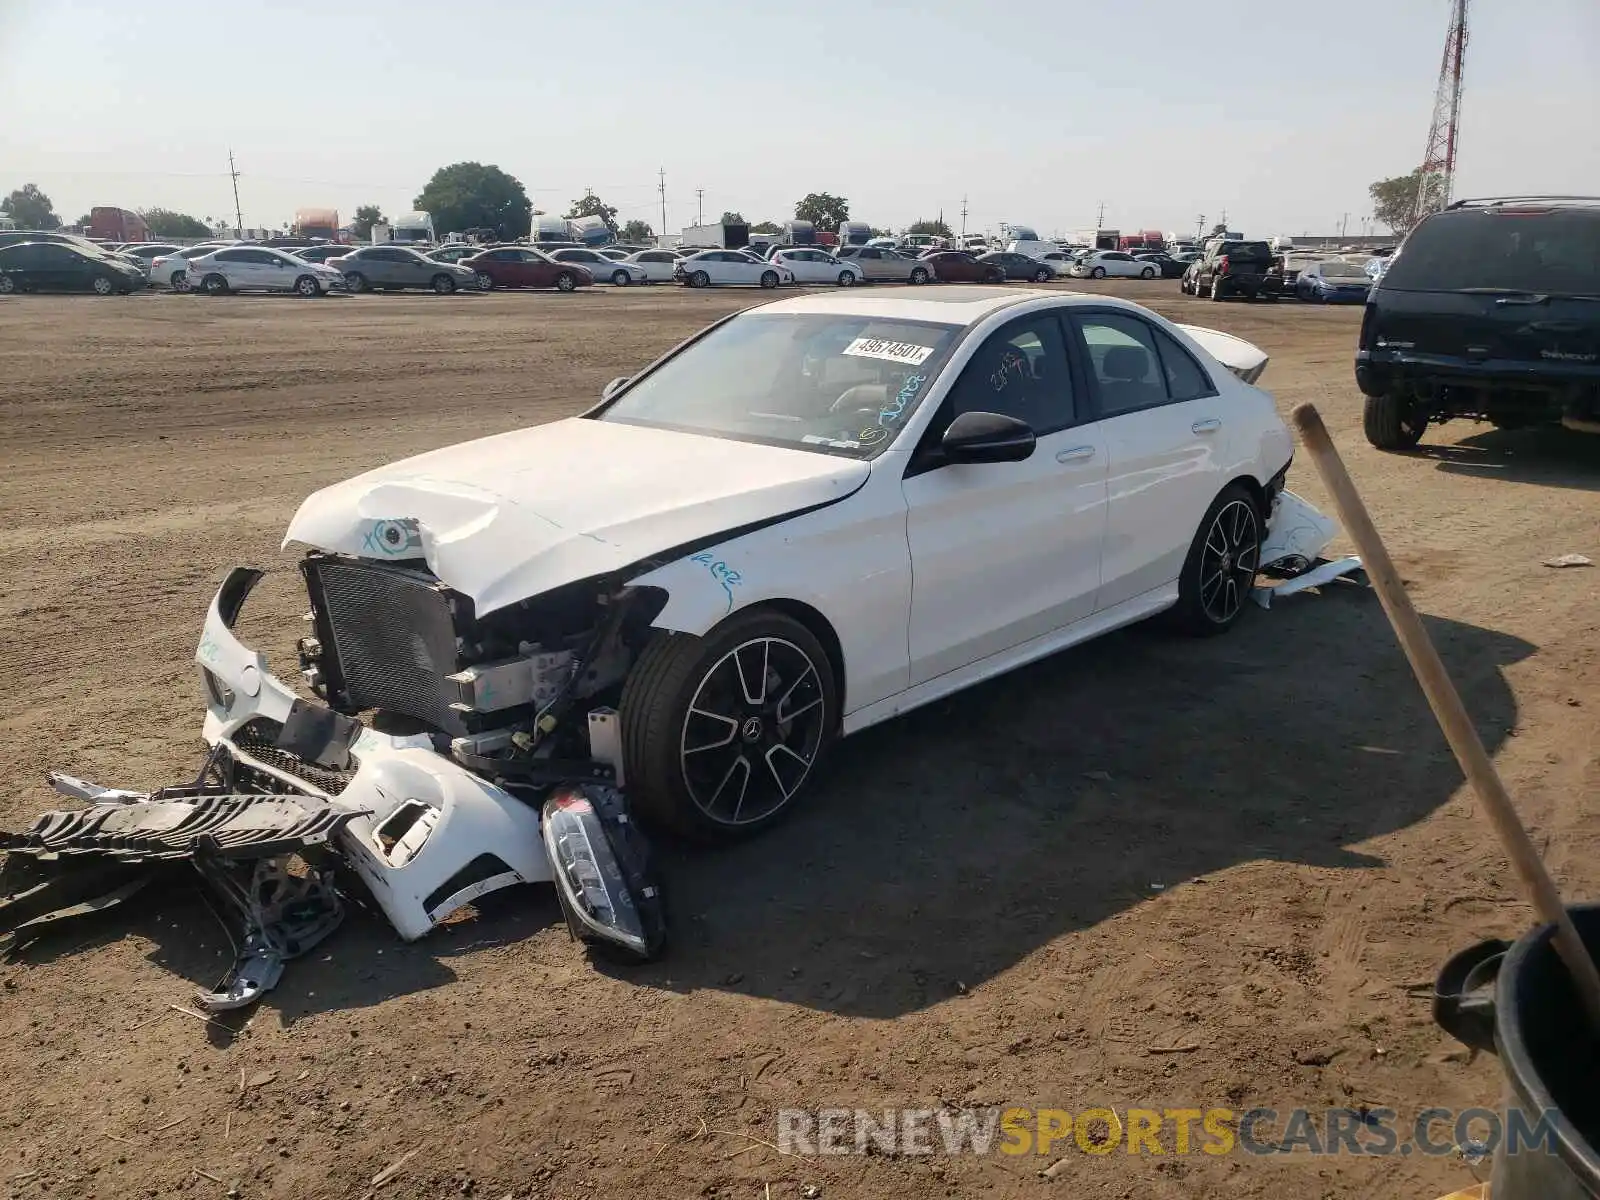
(1548, 456)
(950, 844)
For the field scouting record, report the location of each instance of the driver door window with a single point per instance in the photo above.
(1003, 553)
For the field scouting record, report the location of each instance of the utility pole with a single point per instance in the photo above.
(238, 213)
(1224, 220)
(1344, 224)
(963, 220)
(1199, 227)
(1100, 221)
(662, 188)
(700, 195)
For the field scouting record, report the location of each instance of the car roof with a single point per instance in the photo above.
(948, 305)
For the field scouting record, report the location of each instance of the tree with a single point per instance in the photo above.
(164, 223)
(470, 195)
(592, 206)
(822, 210)
(1394, 201)
(1218, 229)
(733, 218)
(936, 228)
(30, 208)
(768, 227)
(878, 233)
(366, 217)
(638, 231)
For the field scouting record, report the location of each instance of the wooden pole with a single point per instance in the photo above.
(1448, 708)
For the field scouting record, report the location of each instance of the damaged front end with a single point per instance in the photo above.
(487, 758)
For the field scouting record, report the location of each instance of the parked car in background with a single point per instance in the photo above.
(880, 265)
(657, 265)
(1019, 266)
(453, 252)
(1490, 311)
(148, 252)
(62, 267)
(1170, 268)
(1236, 268)
(259, 269)
(393, 267)
(1059, 262)
(712, 268)
(1334, 282)
(321, 254)
(1098, 264)
(523, 266)
(168, 270)
(603, 268)
(813, 264)
(962, 266)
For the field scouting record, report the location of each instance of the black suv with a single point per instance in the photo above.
(1248, 269)
(1489, 310)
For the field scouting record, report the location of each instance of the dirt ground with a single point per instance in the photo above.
(1246, 851)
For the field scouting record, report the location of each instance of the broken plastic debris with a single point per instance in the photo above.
(1315, 577)
(1568, 560)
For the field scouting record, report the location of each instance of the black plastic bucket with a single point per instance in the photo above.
(1517, 1001)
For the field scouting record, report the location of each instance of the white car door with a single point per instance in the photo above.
(239, 268)
(1162, 421)
(741, 268)
(811, 266)
(1006, 552)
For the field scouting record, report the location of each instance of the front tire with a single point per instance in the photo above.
(1393, 422)
(566, 282)
(103, 286)
(1221, 567)
(769, 279)
(355, 281)
(307, 286)
(619, 278)
(1148, 273)
(847, 279)
(485, 282)
(919, 275)
(1042, 276)
(722, 734)
(699, 279)
(443, 285)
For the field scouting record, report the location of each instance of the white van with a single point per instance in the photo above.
(413, 227)
(1025, 241)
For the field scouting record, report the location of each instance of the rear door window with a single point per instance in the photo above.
(1527, 250)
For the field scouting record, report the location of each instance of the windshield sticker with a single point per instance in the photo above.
(721, 572)
(816, 439)
(872, 435)
(900, 352)
(907, 393)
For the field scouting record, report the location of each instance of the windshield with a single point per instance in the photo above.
(1343, 270)
(1531, 251)
(832, 383)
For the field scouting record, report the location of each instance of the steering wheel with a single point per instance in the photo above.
(861, 397)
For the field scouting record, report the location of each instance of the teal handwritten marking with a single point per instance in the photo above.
(721, 572)
(907, 393)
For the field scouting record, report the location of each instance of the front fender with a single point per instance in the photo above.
(849, 562)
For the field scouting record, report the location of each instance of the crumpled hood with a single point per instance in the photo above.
(507, 517)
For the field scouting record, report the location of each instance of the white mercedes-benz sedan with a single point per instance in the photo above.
(810, 517)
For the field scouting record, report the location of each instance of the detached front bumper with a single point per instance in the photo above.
(427, 835)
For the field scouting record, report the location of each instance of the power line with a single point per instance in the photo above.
(238, 213)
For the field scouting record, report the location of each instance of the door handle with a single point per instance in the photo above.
(1076, 454)
(1209, 425)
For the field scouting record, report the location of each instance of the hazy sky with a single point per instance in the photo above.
(1279, 111)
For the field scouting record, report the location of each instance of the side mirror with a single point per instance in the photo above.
(986, 437)
(612, 388)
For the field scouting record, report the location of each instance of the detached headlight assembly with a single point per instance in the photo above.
(603, 871)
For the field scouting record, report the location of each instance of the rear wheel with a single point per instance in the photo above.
(307, 286)
(1216, 287)
(356, 281)
(721, 734)
(179, 281)
(1393, 421)
(1221, 566)
(485, 281)
(7, 285)
(214, 285)
(1097, 273)
(566, 282)
(699, 279)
